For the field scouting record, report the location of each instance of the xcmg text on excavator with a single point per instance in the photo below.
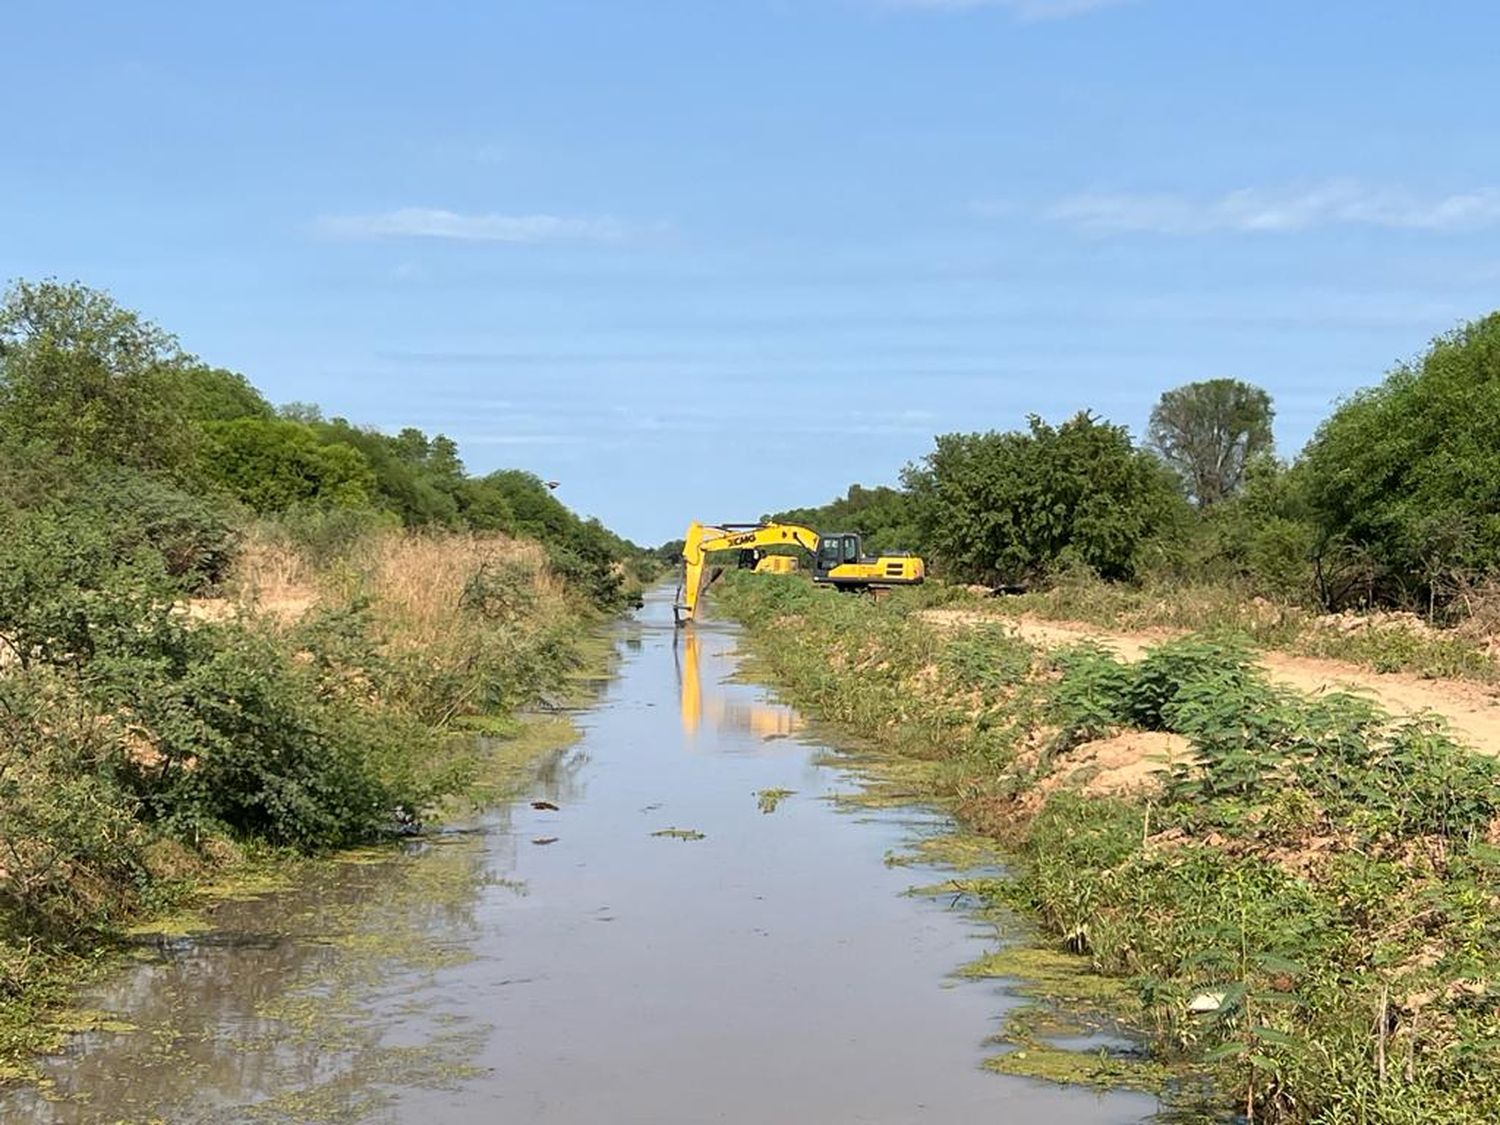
(836, 559)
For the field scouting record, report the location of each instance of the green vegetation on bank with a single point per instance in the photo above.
(228, 632)
(1393, 503)
(1299, 896)
(91, 392)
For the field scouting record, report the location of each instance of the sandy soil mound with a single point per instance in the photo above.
(1129, 762)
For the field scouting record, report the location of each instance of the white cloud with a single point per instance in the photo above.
(1029, 11)
(429, 222)
(1256, 210)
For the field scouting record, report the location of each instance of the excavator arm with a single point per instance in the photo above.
(837, 560)
(703, 539)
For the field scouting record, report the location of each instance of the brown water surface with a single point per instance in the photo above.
(572, 966)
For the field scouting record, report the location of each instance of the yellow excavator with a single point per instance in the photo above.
(836, 559)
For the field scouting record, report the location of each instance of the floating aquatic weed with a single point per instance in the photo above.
(768, 799)
(679, 833)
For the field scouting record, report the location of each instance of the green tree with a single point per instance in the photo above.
(90, 380)
(1407, 474)
(484, 508)
(1265, 535)
(405, 483)
(883, 516)
(273, 464)
(584, 552)
(211, 394)
(1009, 507)
(1209, 432)
(537, 512)
(305, 412)
(437, 456)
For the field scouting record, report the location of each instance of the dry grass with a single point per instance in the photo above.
(419, 582)
(273, 577)
(464, 623)
(415, 580)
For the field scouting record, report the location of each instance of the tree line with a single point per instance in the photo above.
(100, 406)
(1394, 501)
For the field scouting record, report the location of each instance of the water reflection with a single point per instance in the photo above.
(725, 709)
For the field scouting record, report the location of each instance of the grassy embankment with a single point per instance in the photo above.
(173, 751)
(1297, 899)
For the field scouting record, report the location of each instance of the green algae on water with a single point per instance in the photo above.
(1050, 974)
(1103, 1068)
(1068, 1000)
(956, 851)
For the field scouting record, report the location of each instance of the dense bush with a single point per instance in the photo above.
(143, 729)
(234, 735)
(1407, 474)
(72, 840)
(193, 535)
(324, 535)
(1011, 507)
(129, 511)
(212, 727)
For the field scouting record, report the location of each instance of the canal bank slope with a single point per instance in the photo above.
(1296, 889)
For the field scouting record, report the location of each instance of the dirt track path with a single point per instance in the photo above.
(1472, 710)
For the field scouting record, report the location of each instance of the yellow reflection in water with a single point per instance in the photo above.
(692, 693)
(765, 720)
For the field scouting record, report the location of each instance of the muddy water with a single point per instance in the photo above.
(572, 966)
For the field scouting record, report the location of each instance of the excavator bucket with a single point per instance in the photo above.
(690, 583)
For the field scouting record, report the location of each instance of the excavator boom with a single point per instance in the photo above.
(837, 560)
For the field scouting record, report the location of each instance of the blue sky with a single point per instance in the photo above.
(710, 258)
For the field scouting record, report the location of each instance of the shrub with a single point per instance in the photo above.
(1091, 698)
(65, 590)
(1171, 688)
(192, 535)
(324, 536)
(238, 739)
(70, 847)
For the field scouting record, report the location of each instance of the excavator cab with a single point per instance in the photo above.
(839, 561)
(834, 551)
